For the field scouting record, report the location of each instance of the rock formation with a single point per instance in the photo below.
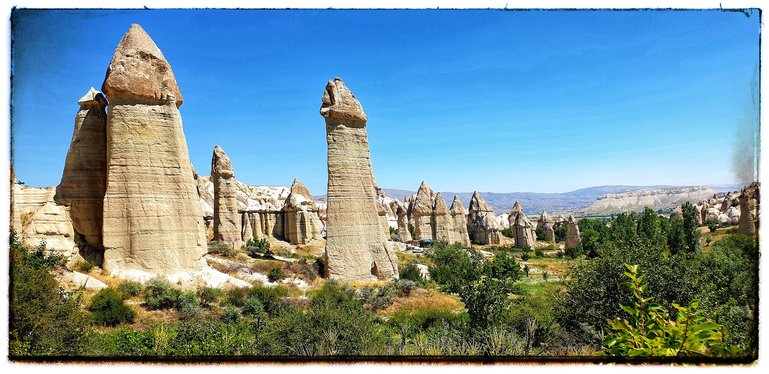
(442, 221)
(227, 220)
(572, 233)
(521, 226)
(152, 219)
(356, 247)
(51, 224)
(404, 235)
(546, 225)
(459, 222)
(83, 182)
(299, 189)
(422, 212)
(482, 221)
(746, 224)
(300, 224)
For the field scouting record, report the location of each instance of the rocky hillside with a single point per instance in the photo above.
(660, 198)
(573, 201)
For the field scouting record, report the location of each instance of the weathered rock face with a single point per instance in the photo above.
(678, 213)
(546, 224)
(459, 222)
(139, 72)
(482, 220)
(521, 226)
(572, 234)
(84, 180)
(404, 235)
(356, 247)
(300, 225)
(51, 224)
(422, 212)
(442, 221)
(298, 188)
(152, 221)
(746, 224)
(227, 227)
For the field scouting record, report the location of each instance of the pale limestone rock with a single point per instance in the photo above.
(75, 280)
(139, 72)
(51, 224)
(746, 224)
(459, 220)
(482, 220)
(521, 227)
(297, 188)
(227, 227)
(546, 224)
(442, 221)
(300, 225)
(712, 215)
(84, 179)
(422, 212)
(152, 221)
(573, 238)
(734, 214)
(247, 233)
(356, 247)
(678, 213)
(404, 234)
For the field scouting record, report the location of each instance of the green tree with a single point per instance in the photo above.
(44, 319)
(691, 234)
(650, 333)
(109, 309)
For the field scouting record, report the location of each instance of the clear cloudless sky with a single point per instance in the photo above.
(487, 100)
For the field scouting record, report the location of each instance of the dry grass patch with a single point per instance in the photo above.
(424, 299)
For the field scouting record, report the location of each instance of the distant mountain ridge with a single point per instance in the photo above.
(534, 202)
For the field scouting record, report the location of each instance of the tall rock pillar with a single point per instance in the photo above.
(227, 228)
(84, 180)
(573, 238)
(459, 220)
(483, 221)
(422, 212)
(356, 246)
(442, 222)
(153, 221)
(746, 224)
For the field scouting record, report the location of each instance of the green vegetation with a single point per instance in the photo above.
(472, 305)
(109, 309)
(257, 247)
(222, 249)
(650, 333)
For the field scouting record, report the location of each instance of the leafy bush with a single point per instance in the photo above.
(650, 333)
(574, 252)
(560, 232)
(378, 298)
(209, 295)
(231, 314)
(712, 226)
(405, 286)
(222, 249)
(411, 272)
(454, 266)
(108, 308)
(539, 253)
(160, 294)
(525, 256)
(257, 247)
(270, 297)
(85, 266)
(128, 289)
(44, 319)
(275, 274)
(253, 307)
(508, 232)
(188, 305)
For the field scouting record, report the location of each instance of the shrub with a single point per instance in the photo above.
(270, 297)
(85, 266)
(44, 319)
(378, 298)
(453, 266)
(405, 286)
(411, 272)
(712, 227)
(222, 249)
(160, 294)
(508, 232)
(188, 305)
(275, 274)
(231, 315)
(525, 256)
(129, 289)
(108, 308)
(574, 252)
(257, 247)
(209, 295)
(560, 233)
(539, 253)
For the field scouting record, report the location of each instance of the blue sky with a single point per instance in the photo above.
(487, 100)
